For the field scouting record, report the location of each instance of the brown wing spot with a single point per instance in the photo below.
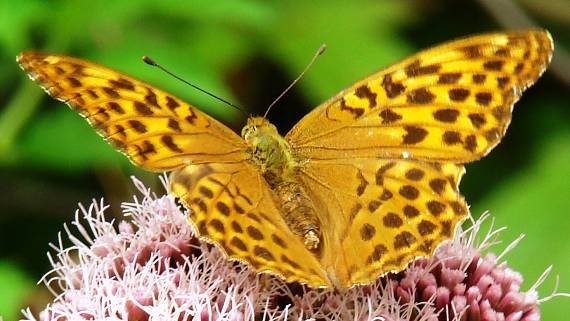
(414, 135)
(279, 241)
(116, 107)
(73, 82)
(137, 126)
(414, 69)
(373, 205)
(111, 93)
(420, 96)
(169, 143)
(142, 109)
(223, 208)
(263, 253)
(379, 251)
(415, 174)
(78, 70)
(386, 195)
(147, 148)
(479, 78)
(502, 52)
(471, 143)
(217, 225)
(236, 227)
(365, 92)
(492, 135)
(206, 192)
(409, 192)
(355, 111)
(477, 119)
(122, 83)
(519, 67)
(380, 172)
(288, 261)
(435, 207)
(92, 94)
(392, 220)
(437, 185)
(367, 232)
(446, 228)
(458, 94)
(389, 117)
(449, 78)
(446, 115)
(236, 242)
(190, 118)
(411, 211)
(59, 70)
(494, 65)
(117, 143)
(483, 98)
(354, 211)
(503, 81)
(363, 183)
(526, 54)
(150, 98)
(174, 125)
(392, 89)
(426, 227)
(502, 114)
(171, 103)
(120, 130)
(253, 217)
(404, 239)
(238, 209)
(202, 229)
(254, 233)
(102, 112)
(451, 137)
(426, 246)
(200, 203)
(458, 208)
(473, 51)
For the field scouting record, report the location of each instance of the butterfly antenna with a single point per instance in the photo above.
(319, 52)
(153, 63)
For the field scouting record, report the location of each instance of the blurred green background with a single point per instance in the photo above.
(248, 52)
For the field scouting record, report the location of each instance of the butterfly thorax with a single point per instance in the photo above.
(272, 154)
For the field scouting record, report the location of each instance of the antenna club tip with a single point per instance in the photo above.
(322, 49)
(148, 60)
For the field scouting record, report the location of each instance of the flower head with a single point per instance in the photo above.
(150, 266)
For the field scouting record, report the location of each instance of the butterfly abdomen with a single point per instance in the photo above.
(272, 154)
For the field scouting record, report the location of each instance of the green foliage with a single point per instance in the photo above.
(15, 287)
(226, 47)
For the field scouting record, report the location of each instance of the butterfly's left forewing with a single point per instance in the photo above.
(452, 102)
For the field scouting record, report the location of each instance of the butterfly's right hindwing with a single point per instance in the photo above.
(232, 206)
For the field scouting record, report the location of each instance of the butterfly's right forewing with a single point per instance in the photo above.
(156, 130)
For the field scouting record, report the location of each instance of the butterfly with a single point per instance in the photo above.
(359, 187)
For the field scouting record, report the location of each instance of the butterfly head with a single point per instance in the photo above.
(257, 128)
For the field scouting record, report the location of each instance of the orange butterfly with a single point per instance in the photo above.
(361, 186)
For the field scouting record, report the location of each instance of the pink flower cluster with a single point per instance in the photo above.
(151, 267)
